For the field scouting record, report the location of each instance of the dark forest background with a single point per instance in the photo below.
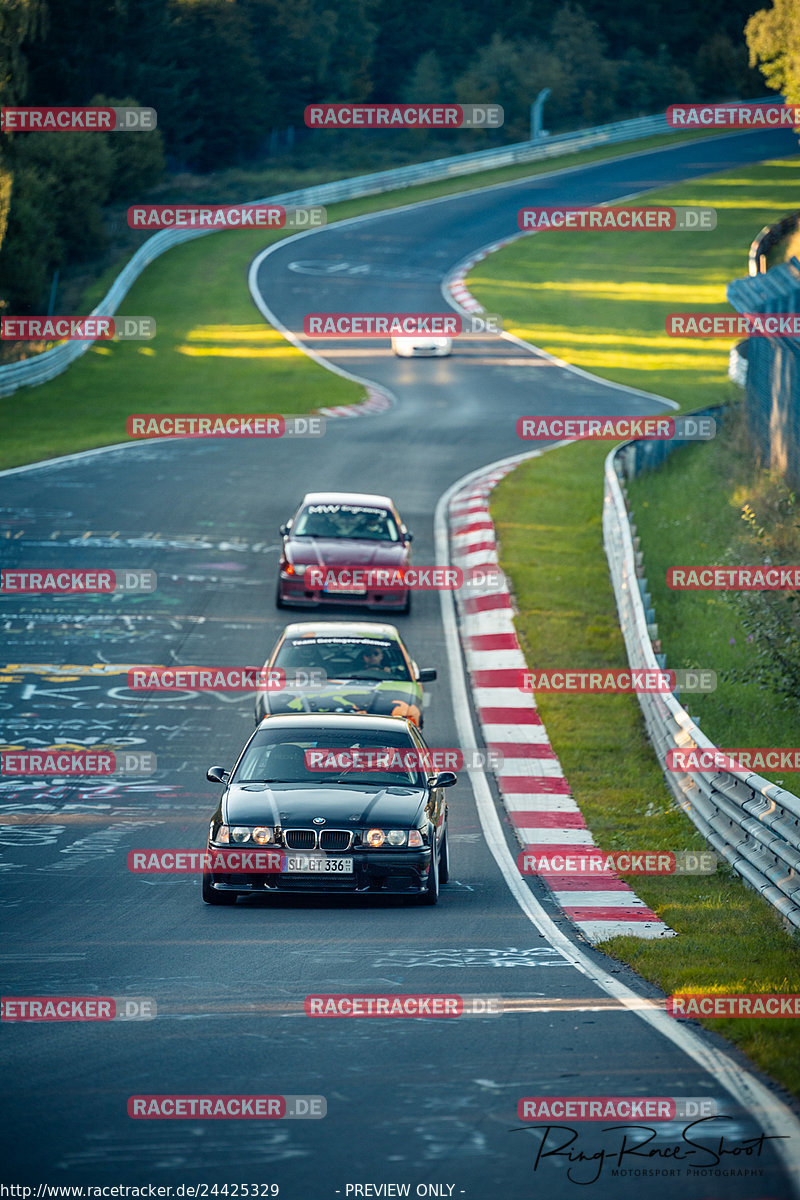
(230, 80)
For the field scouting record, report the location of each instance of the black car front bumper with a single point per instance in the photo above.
(384, 872)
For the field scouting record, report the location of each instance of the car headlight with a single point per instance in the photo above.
(262, 835)
(291, 569)
(390, 837)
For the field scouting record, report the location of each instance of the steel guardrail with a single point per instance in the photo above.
(753, 824)
(45, 366)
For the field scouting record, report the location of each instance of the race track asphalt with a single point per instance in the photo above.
(427, 1103)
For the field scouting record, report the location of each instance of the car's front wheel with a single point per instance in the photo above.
(212, 896)
(279, 600)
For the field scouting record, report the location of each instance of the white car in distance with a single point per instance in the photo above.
(422, 347)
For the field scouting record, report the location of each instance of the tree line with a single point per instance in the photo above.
(223, 74)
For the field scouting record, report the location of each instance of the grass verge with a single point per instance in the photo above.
(213, 352)
(691, 510)
(601, 305)
(600, 300)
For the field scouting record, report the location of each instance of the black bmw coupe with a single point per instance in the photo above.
(319, 803)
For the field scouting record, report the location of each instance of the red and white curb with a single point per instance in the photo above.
(454, 283)
(377, 401)
(536, 795)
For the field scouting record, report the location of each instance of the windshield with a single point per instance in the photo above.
(344, 658)
(331, 757)
(361, 521)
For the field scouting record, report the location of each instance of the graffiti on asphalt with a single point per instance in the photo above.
(108, 539)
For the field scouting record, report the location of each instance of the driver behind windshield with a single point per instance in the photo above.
(341, 659)
(373, 659)
(375, 525)
(268, 759)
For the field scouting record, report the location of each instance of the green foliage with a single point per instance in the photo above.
(21, 21)
(224, 75)
(588, 87)
(646, 85)
(32, 246)
(224, 78)
(137, 158)
(771, 619)
(79, 168)
(773, 38)
(511, 73)
(577, 41)
(721, 67)
(427, 81)
(62, 183)
(6, 181)
(309, 51)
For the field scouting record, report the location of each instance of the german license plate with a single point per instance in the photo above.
(309, 864)
(341, 589)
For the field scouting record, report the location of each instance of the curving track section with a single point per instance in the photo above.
(410, 1102)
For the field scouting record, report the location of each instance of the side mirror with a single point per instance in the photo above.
(407, 537)
(444, 779)
(283, 530)
(217, 775)
(426, 674)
